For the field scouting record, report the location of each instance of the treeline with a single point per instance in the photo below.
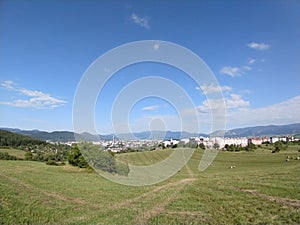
(11, 139)
(237, 148)
(6, 156)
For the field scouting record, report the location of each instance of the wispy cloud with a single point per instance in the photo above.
(246, 68)
(258, 46)
(140, 21)
(231, 71)
(235, 71)
(234, 101)
(150, 108)
(272, 114)
(251, 61)
(35, 99)
(211, 88)
(239, 113)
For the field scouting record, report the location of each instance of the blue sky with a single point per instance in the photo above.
(252, 47)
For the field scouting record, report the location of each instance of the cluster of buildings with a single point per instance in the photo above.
(123, 145)
(209, 142)
(239, 141)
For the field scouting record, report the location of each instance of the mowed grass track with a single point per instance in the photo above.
(263, 189)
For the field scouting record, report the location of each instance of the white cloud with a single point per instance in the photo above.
(211, 105)
(211, 88)
(7, 84)
(150, 108)
(35, 99)
(258, 46)
(239, 114)
(140, 21)
(251, 61)
(247, 68)
(231, 71)
(236, 101)
(233, 102)
(281, 113)
(235, 71)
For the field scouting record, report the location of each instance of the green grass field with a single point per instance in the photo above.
(262, 189)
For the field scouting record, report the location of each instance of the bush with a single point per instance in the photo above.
(279, 145)
(28, 156)
(250, 147)
(104, 161)
(122, 168)
(52, 163)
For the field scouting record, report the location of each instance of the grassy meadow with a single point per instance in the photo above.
(262, 189)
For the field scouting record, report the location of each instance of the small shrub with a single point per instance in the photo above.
(122, 168)
(52, 163)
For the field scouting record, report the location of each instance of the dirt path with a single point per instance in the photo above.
(286, 201)
(172, 190)
(190, 172)
(159, 208)
(147, 205)
(30, 188)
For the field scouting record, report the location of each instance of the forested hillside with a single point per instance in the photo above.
(12, 139)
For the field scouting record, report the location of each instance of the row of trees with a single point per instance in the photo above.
(6, 156)
(237, 148)
(276, 147)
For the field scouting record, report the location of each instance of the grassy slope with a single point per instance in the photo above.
(263, 188)
(144, 158)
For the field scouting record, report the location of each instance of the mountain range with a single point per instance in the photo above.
(66, 136)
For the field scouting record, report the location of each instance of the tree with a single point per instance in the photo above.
(216, 146)
(250, 147)
(75, 158)
(278, 145)
(202, 146)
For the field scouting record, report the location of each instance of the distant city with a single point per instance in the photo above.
(210, 143)
(159, 140)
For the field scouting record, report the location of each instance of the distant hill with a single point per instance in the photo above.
(62, 136)
(66, 136)
(159, 135)
(13, 139)
(271, 130)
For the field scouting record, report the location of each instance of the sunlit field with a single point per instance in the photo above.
(262, 188)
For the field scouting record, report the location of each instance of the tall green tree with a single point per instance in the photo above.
(278, 146)
(75, 158)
